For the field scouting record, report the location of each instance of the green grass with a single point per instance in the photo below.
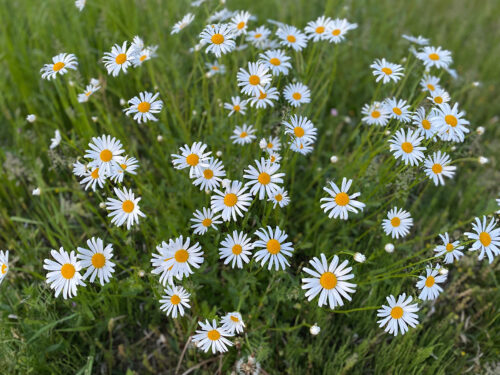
(118, 328)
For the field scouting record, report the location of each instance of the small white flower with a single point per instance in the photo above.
(315, 329)
(31, 118)
(360, 258)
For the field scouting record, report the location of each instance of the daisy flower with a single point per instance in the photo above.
(439, 96)
(123, 166)
(450, 122)
(303, 147)
(93, 178)
(266, 97)
(301, 127)
(233, 201)
(317, 30)
(236, 249)
(407, 146)
(236, 106)
(296, 94)
(144, 106)
(274, 248)
(398, 223)
(420, 40)
(274, 157)
(203, 220)
(399, 314)
(105, 152)
(277, 61)
(211, 336)
(54, 142)
(232, 323)
(211, 176)
(243, 135)
(375, 114)
(263, 179)
(259, 36)
(64, 274)
(80, 169)
(180, 25)
(423, 122)
(398, 109)
(4, 264)
(239, 23)
(97, 260)
(339, 203)
(271, 145)
(430, 83)
(487, 238)
(60, 65)
(219, 38)
(438, 166)
(220, 15)
(89, 90)
(175, 299)
(215, 68)
(195, 158)
(428, 284)
(290, 36)
(450, 250)
(80, 4)
(144, 54)
(125, 208)
(386, 71)
(329, 281)
(279, 197)
(180, 257)
(435, 57)
(119, 59)
(337, 30)
(253, 80)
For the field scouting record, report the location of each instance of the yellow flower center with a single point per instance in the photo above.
(175, 299)
(485, 238)
(451, 120)
(262, 95)
(206, 222)
(407, 147)
(230, 199)
(426, 124)
(181, 256)
(95, 174)
(208, 174)
(217, 39)
(257, 36)
(375, 114)
(449, 247)
(437, 168)
(215, 67)
(264, 178)
(124, 166)
(254, 80)
(88, 93)
(68, 271)
(192, 160)
(397, 312)
(320, 29)
(296, 95)
(336, 32)
(237, 249)
(396, 221)
(328, 280)
(143, 57)
(120, 58)
(213, 335)
(430, 281)
(4, 269)
(397, 111)
(291, 38)
(270, 145)
(98, 260)
(278, 197)
(128, 206)
(237, 108)
(58, 66)
(143, 107)
(342, 199)
(434, 56)
(438, 99)
(272, 158)
(273, 246)
(241, 25)
(275, 61)
(106, 155)
(387, 71)
(431, 87)
(299, 132)
(243, 134)
(234, 319)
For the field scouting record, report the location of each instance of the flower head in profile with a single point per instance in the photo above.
(184, 22)
(60, 65)
(4, 264)
(340, 203)
(90, 89)
(420, 40)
